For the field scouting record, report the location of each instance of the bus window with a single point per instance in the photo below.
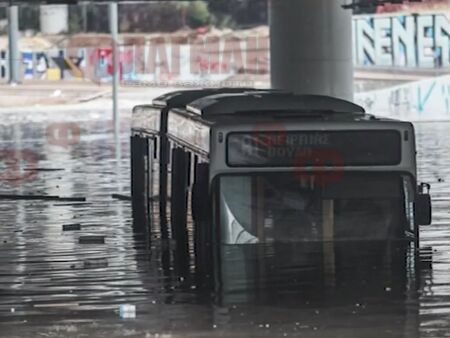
(141, 178)
(236, 210)
(277, 207)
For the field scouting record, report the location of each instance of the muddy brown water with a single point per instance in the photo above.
(54, 283)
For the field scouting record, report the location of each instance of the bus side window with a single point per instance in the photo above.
(189, 168)
(200, 192)
(201, 208)
(151, 176)
(178, 203)
(155, 148)
(194, 168)
(140, 179)
(170, 152)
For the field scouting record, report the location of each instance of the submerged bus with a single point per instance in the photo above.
(150, 151)
(245, 168)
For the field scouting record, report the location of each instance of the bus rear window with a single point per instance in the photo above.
(314, 148)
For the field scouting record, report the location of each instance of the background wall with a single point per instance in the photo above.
(403, 40)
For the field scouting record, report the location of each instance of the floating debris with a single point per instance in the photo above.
(72, 227)
(76, 204)
(96, 263)
(91, 240)
(43, 169)
(127, 311)
(50, 305)
(42, 197)
(121, 197)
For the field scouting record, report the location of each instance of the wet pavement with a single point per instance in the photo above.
(66, 266)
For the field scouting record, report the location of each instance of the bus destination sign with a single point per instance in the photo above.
(337, 148)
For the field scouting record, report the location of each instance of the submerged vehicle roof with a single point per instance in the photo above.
(267, 103)
(180, 98)
(226, 105)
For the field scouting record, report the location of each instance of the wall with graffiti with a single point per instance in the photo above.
(379, 40)
(402, 40)
(208, 58)
(426, 100)
(59, 64)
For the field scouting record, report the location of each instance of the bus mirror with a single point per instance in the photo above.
(200, 193)
(423, 208)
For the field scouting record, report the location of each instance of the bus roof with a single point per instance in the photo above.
(268, 102)
(179, 99)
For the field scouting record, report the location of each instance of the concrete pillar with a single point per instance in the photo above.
(13, 44)
(54, 19)
(84, 15)
(114, 27)
(311, 47)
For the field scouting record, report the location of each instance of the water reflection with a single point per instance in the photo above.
(349, 289)
(317, 271)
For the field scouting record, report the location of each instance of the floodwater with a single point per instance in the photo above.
(66, 266)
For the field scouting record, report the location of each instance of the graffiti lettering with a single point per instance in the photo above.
(402, 40)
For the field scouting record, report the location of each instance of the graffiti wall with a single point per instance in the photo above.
(426, 100)
(379, 40)
(208, 58)
(402, 40)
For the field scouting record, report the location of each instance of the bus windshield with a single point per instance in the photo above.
(283, 207)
